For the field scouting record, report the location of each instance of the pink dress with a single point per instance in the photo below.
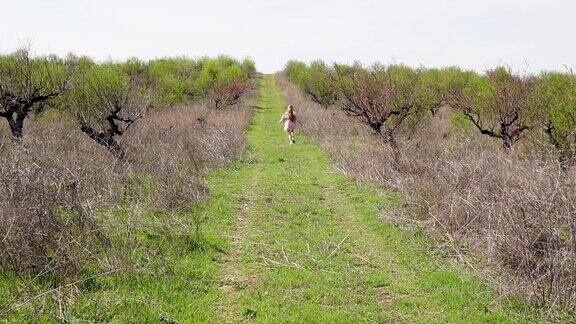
(289, 124)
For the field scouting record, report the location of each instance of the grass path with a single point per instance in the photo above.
(287, 238)
(308, 244)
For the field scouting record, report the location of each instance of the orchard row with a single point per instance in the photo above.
(499, 103)
(105, 99)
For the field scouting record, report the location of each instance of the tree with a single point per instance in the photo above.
(556, 93)
(223, 81)
(499, 104)
(296, 72)
(383, 97)
(316, 81)
(137, 70)
(441, 83)
(319, 84)
(249, 67)
(27, 86)
(106, 103)
(227, 93)
(174, 79)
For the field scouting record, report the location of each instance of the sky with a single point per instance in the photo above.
(528, 35)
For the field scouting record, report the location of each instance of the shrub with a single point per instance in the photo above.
(50, 186)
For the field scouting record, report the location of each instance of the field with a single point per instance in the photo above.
(167, 191)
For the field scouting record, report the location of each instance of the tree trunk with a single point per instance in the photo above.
(565, 155)
(396, 154)
(507, 142)
(116, 149)
(105, 139)
(16, 122)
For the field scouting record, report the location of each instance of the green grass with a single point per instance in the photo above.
(287, 238)
(312, 245)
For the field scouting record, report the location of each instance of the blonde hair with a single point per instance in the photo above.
(290, 113)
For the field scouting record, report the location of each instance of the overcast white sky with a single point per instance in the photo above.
(473, 34)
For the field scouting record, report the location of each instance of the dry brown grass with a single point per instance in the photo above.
(177, 147)
(517, 211)
(56, 183)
